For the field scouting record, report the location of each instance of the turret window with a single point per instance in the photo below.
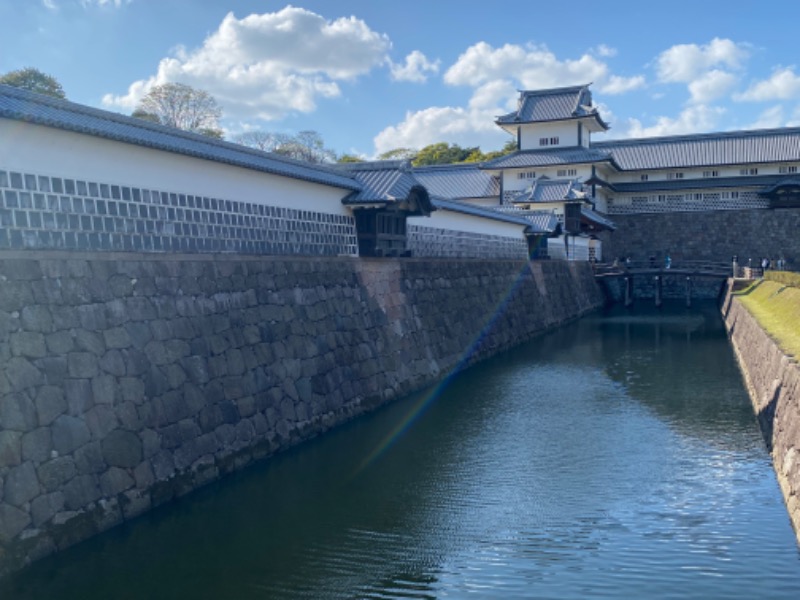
(789, 169)
(551, 141)
(526, 175)
(566, 172)
(675, 175)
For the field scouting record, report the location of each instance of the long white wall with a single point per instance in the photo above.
(53, 152)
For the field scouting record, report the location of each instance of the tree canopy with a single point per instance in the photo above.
(443, 153)
(34, 80)
(307, 146)
(181, 106)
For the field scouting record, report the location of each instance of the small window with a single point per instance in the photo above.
(544, 141)
(751, 171)
(526, 175)
(710, 173)
(787, 169)
(675, 175)
(566, 172)
(644, 177)
(554, 141)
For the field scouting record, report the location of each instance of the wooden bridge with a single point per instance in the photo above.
(687, 270)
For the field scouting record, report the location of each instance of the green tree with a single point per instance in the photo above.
(442, 153)
(398, 154)
(181, 106)
(34, 80)
(349, 158)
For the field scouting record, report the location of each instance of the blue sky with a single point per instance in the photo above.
(372, 75)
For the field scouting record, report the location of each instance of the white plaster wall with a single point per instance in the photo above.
(47, 151)
(566, 131)
(455, 221)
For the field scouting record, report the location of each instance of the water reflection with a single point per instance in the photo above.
(615, 457)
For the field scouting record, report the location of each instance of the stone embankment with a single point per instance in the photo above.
(773, 382)
(127, 380)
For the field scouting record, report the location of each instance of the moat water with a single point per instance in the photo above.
(617, 457)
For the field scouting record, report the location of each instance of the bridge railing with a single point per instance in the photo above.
(699, 267)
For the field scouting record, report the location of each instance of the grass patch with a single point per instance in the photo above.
(777, 309)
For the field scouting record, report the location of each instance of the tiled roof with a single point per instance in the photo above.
(551, 190)
(380, 181)
(548, 158)
(30, 107)
(458, 181)
(480, 211)
(541, 221)
(713, 149)
(634, 187)
(558, 104)
(587, 214)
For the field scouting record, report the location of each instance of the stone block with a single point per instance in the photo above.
(131, 389)
(90, 341)
(50, 403)
(135, 503)
(69, 434)
(144, 476)
(12, 522)
(60, 342)
(54, 369)
(115, 481)
(93, 317)
(78, 393)
(10, 448)
(56, 472)
(113, 363)
(37, 445)
(17, 413)
(151, 443)
(37, 318)
(122, 449)
(101, 421)
(118, 338)
(21, 485)
(80, 492)
(21, 374)
(14, 295)
(45, 507)
(28, 343)
(104, 389)
(89, 459)
(82, 365)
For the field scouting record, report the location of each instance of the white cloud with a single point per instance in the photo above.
(693, 119)
(455, 125)
(768, 119)
(115, 3)
(415, 68)
(534, 66)
(605, 51)
(620, 85)
(711, 85)
(685, 62)
(267, 65)
(50, 4)
(495, 74)
(782, 85)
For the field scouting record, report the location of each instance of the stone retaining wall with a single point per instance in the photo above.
(129, 379)
(773, 382)
(710, 235)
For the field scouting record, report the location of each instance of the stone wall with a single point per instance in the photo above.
(773, 382)
(129, 379)
(710, 235)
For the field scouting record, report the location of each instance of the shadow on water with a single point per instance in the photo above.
(614, 457)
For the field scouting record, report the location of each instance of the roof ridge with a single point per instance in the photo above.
(83, 109)
(698, 136)
(549, 91)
